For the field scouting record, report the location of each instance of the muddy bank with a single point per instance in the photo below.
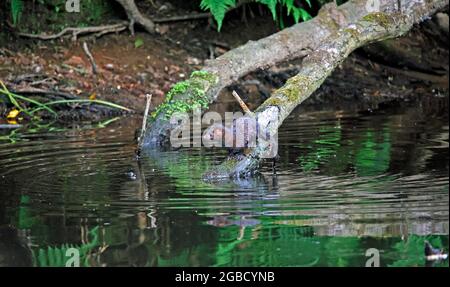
(129, 66)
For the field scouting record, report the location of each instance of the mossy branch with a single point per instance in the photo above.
(319, 65)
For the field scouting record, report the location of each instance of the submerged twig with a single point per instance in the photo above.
(144, 121)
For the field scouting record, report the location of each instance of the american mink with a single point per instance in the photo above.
(240, 137)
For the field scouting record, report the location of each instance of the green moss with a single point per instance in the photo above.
(190, 94)
(291, 92)
(352, 31)
(272, 102)
(380, 18)
(293, 87)
(204, 75)
(179, 88)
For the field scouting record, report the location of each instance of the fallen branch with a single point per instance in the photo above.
(90, 57)
(75, 32)
(311, 41)
(291, 43)
(318, 65)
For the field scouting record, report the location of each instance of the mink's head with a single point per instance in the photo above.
(214, 132)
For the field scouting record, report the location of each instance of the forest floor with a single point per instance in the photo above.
(132, 66)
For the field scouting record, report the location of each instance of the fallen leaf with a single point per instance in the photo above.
(138, 43)
(13, 114)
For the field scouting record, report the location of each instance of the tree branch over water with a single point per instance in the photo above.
(324, 43)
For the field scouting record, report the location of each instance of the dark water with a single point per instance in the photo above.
(345, 182)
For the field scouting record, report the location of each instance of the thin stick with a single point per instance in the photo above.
(10, 126)
(241, 103)
(36, 91)
(90, 57)
(183, 18)
(144, 121)
(77, 31)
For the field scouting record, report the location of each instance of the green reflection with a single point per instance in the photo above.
(373, 157)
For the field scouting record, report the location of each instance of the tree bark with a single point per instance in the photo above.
(295, 42)
(136, 17)
(319, 64)
(323, 42)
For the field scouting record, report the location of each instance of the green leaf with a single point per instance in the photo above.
(218, 8)
(297, 15)
(289, 5)
(16, 10)
(272, 4)
(138, 43)
(305, 15)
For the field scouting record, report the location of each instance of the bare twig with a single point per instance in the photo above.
(183, 18)
(10, 126)
(90, 57)
(144, 120)
(45, 92)
(221, 45)
(99, 30)
(241, 103)
(212, 55)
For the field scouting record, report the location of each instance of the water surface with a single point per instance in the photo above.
(345, 182)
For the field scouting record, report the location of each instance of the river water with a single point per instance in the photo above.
(345, 182)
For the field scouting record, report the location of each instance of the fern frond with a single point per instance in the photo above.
(289, 5)
(304, 14)
(218, 8)
(272, 4)
(16, 10)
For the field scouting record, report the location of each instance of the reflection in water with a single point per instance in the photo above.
(345, 182)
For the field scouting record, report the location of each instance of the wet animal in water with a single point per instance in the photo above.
(432, 253)
(241, 136)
